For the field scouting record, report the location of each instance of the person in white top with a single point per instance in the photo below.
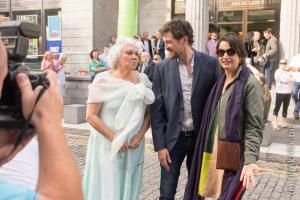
(284, 81)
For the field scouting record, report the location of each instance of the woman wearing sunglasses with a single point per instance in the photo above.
(231, 130)
(284, 81)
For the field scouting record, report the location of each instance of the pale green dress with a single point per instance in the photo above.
(110, 175)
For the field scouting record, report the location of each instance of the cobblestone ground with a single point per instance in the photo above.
(277, 182)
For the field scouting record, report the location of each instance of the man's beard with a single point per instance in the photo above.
(172, 54)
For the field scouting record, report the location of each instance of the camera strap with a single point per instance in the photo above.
(22, 132)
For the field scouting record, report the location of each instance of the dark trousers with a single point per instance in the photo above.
(296, 88)
(269, 73)
(282, 99)
(168, 181)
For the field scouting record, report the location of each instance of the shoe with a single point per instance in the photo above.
(296, 115)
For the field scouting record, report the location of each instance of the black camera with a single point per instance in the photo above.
(15, 35)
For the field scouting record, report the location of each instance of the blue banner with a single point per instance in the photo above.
(53, 41)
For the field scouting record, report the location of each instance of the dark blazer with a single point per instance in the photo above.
(149, 69)
(150, 47)
(167, 109)
(161, 48)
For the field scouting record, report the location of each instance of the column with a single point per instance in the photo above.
(289, 28)
(128, 18)
(86, 25)
(196, 12)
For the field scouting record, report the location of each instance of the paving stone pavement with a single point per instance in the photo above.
(276, 182)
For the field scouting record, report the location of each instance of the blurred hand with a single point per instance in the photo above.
(164, 158)
(135, 142)
(48, 110)
(247, 175)
(123, 148)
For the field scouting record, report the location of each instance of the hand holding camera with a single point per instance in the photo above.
(15, 36)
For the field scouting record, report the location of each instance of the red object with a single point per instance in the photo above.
(239, 192)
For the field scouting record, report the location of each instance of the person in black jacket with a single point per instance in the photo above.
(249, 47)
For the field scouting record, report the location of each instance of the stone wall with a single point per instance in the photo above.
(76, 89)
(153, 14)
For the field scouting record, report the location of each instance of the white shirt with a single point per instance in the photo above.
(146, 46)
(295, 62)
(284, 81)
(186, 85)
(23, 169)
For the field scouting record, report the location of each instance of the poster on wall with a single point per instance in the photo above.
(53, 40)
(33, 48)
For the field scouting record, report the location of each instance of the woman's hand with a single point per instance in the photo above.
(123, 148)
(135, 141)
(247, 175)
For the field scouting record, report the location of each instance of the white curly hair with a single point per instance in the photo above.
(115, 50)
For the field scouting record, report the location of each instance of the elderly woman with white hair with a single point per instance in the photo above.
(119, 117)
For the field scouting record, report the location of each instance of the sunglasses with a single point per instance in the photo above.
(283, 63)
(155, 58)
(221, 52)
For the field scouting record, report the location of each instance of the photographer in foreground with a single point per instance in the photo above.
(58, 175)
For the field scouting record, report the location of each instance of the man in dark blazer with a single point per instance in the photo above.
(147, 67)
(181, 84)
(147, 44)
(160, 45)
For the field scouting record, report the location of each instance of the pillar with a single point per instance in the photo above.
(196, 12)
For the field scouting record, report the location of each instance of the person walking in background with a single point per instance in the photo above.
(147, 66)
(159, 45)
(119, 117)
(59, 69)
(271, 54)
(181, 84)
(211, 44)
(283, 81)
(249, 47)
(95, 65)
(112, 41)
(294, 67)
(147, 44)
(258, 49)
(231, 130)
(267, 96)
(103, 57)
(46, 62)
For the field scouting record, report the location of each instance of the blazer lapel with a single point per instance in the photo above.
(176, 75)
(196, 70)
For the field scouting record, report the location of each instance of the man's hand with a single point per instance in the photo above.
(164, 158)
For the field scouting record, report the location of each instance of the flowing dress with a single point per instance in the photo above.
(110, 175)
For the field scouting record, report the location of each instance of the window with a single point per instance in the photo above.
(261, 15)
(231, 16)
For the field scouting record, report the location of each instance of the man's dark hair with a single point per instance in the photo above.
(268, 30)
(236, 43)
(179, 28)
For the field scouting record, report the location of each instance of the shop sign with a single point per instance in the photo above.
(247, 4)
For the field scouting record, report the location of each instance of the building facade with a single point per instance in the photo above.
(35, 11)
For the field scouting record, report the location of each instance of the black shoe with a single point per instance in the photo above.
(296, 115)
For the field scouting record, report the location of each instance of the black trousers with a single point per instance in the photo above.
(282, 99)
